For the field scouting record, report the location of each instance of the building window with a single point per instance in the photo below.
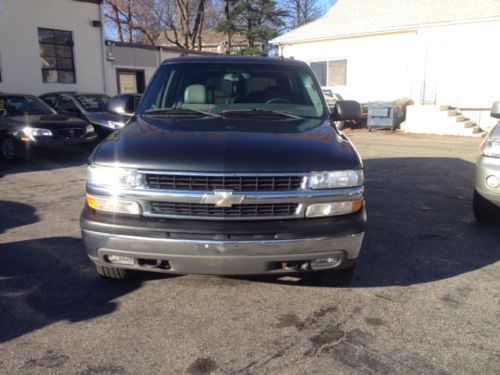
(330, 73)
(56, 54)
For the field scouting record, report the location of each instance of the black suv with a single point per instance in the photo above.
(88, 106)
(230, 166)
(27, 123)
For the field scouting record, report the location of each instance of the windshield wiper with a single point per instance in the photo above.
(259, 111)
(177, 112)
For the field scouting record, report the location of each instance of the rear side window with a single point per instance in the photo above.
(50, 100)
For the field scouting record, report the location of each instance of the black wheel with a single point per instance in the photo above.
(338, 278)
(113, 272)
(9, 147)
(484, 210)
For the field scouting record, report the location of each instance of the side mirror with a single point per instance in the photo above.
(495, 110)
(123, 104)
(346, 110)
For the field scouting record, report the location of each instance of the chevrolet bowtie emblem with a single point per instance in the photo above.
(223, 198)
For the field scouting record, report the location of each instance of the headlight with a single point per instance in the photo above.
(333, 209)
(115, 124)
(491, 148)
(113, 204)
(335, 180)
(36, 132)
(89, 129)
(114, 178)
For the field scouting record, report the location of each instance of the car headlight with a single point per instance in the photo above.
(491, 148)
(89, 129)
(335, 180)
(114, 178)
(113, 204)
(36, 132)
(116, 124)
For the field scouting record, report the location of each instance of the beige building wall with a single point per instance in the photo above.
(19, 49)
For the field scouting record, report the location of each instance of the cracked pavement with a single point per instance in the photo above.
(424, 299)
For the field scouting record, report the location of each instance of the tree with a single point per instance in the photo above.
(303, 11)
(180, 21)
(257, 20)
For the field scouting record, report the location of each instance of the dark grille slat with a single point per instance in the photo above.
(238, 211)
(236, 183)
(71, 132)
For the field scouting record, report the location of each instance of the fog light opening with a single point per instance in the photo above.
(493, 182)
(324, 263)
(121, 260)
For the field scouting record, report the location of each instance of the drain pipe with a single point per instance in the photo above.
(103, 50)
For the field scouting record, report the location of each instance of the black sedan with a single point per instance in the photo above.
(91, 107)
(27, 123)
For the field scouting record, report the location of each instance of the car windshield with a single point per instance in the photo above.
(236, 88)
(94, 103)
(18, 105)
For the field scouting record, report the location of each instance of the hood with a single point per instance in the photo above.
(47, 121)
(217, 145)
(102, 118)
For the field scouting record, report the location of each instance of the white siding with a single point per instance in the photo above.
(453, 64)
(19, 50)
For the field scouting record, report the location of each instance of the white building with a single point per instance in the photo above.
(434, 52)
(51, 45)
(58, 45)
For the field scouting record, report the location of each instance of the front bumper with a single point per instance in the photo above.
(487, 166)
(190, 251)
(59, 142)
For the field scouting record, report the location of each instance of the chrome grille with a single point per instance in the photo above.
(71, 133)
(236, 211)
(234, 183)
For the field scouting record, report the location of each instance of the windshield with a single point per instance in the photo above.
(219, 88)
(17, 105)
(94, 103)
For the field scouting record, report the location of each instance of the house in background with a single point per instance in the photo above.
(213, 41)
(51, 45)
(58, 45)
(434, 52)
(130, 66)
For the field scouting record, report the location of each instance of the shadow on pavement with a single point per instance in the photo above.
(420, 223)
(15, 214)
(48, 280)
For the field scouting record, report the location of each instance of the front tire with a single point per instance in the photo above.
(335, 278)
(113, 273)
(9, 147)
(484, 210)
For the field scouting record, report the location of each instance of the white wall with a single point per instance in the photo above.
(456, 65)
(19, 50)
(377, 66)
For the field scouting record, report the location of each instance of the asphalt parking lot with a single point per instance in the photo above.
(424, 299)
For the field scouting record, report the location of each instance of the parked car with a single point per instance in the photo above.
(27, 123)
(230, 166)
(88, 106)
(487, 190)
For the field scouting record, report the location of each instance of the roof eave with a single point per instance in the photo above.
(388, 30)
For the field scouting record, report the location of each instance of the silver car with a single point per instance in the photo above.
(487, 192)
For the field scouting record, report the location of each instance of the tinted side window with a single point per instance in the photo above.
(50, 100)
(65, 103)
